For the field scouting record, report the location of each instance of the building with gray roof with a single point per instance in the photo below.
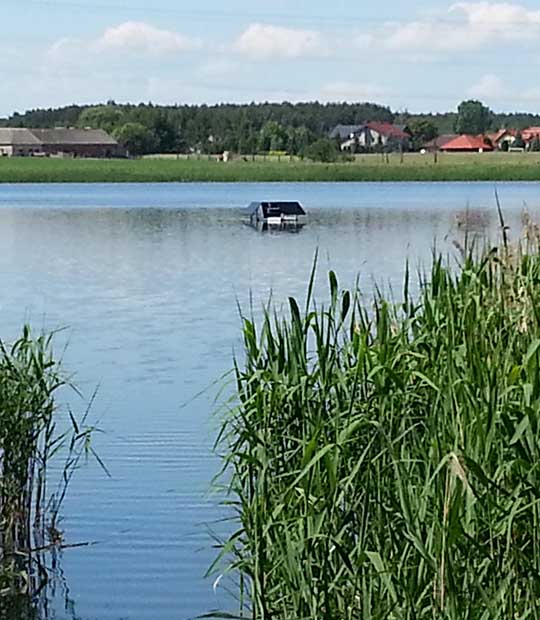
(60, 141)
(18, 142)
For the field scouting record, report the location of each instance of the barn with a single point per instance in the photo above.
(60, 141)
(18, 143)
(78, 142)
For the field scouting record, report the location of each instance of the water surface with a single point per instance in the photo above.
(146, 278)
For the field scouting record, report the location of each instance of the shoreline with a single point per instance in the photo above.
(413, 168)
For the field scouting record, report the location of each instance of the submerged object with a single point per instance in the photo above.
(276, 215)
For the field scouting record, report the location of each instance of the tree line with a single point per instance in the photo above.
(299, 129)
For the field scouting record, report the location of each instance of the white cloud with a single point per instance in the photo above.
(264, 41)
(488, 86)
(143, 38)
(117, 42)
(466, 26)
(510, 21)
(430, 37)
(65, 51)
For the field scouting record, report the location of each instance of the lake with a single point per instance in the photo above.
(145, 280)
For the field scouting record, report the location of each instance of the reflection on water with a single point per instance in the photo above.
(43, 593)
(146, 278)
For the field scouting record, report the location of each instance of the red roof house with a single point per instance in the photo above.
(499, 138)
(388, 130)
(530, 134)
(437, 143)
(467, 144)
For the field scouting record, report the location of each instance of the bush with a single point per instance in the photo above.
(322, 150)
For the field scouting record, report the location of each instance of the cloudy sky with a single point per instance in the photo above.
(420, 55)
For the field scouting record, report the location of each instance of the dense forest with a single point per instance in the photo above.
(257, 127)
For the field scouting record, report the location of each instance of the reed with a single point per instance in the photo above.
(384, 462)
(31, 438)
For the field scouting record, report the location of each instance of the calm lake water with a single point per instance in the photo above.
(145, 279)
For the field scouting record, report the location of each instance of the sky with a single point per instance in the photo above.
(417, 55)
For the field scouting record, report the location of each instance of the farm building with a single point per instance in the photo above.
(18, 143)
(60, 141)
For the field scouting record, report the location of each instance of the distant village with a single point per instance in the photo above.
(368, 137)
(373, 136)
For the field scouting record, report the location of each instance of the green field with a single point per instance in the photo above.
(413, 167)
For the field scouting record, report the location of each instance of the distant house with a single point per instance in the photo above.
(18, 143)
(502, 139)
(370, 135)
(61, 141)
(467, 144)
(438, 143)
(530, 134)
(344, 132)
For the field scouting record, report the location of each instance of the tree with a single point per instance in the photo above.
(272, 137)
(136, 138)
(165, 133)
(298, 139)
(324, 150)
(473, 117)
(107, 117)
(519, 142)
(422, 131)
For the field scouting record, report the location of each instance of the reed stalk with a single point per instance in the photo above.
(30, 439)
(384, 462)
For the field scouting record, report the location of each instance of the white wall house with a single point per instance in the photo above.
(365, 137)
(369, 135)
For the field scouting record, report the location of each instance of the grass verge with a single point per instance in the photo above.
(414, 167)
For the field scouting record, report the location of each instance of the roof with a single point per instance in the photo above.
(344, 131)
(530, 133)
(62, 135)
(277, 208)
(404, 128)
(16, 136)
(74, 136)
(467, 143)
(440, 141)
(502, 133)
(388, 130)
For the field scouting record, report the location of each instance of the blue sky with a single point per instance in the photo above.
(418, 55)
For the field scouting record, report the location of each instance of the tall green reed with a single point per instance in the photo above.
(384, 462)
(31, 438)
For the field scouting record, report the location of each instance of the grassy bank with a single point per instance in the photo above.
(384, 463)
(414, 167)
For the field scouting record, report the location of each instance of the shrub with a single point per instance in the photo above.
(322, 150)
